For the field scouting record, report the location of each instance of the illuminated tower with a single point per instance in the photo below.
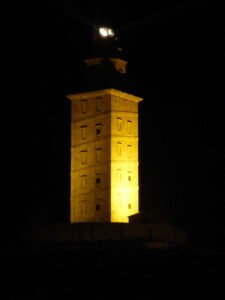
(104, 147)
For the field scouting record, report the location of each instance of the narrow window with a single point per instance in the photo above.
(83, 181)
(98, 103)
(119, 124)
(129, 206)
(83, 132)
(98, 129)
(98, 179)
(98, 206)
(129, 177)
(119, 149)
(83, 106)
(83, 157)
(99, 155)
(83, 206)
(129, 126)
(129, 151)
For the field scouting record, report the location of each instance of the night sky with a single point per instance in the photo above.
(176, 63)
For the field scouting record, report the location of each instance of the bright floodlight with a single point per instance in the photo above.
(106, 32)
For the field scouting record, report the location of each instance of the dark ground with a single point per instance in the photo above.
(110, 270)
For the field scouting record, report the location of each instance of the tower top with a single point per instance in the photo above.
(105, 43)
(105, 67)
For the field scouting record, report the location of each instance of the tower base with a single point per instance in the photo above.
(150, 235)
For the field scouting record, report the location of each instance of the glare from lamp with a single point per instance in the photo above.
(106, 32)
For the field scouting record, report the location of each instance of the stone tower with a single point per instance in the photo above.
(104, 145)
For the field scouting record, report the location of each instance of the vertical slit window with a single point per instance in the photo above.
(83, 157)
(129, 177)
(98, 103)
(83, 181)
(98, 179)
(98, 129)
(83, 132)
(119, 124)
(83, 106)
(129, 151)
(129, 126)
(119, 148)
(83, 206)
(119, 175)
(99, 155)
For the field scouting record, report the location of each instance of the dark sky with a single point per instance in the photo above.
(175, 59)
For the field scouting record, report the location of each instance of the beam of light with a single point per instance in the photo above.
(164, 15)
(70, 10)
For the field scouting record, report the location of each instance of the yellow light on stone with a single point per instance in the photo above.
(120, 211)
(104, 188)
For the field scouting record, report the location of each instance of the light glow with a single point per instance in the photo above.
(106, 32)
